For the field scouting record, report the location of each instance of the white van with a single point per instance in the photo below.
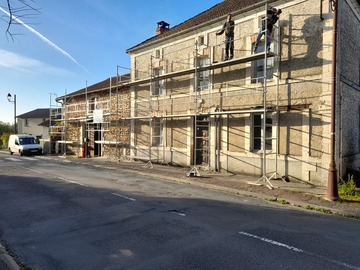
(24, 144)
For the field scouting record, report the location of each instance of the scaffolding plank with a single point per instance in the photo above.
(215, 65)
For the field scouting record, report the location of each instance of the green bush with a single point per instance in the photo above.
(4, 138)
(349, 188)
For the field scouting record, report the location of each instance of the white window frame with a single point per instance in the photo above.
(158, 129)
(158, 84)
(257, 132)
(204, 76)
(257, 66)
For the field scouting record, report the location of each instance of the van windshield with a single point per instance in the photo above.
(27, 141)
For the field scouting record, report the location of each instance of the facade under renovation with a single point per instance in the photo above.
(268, 114)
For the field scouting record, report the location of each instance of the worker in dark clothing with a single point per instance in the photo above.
(228, 28)
(272, 16)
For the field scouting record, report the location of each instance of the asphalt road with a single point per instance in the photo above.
(61, 215)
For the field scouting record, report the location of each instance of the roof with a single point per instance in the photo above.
(46, 123)
(216, 12)
(38, 113)
(103, 85)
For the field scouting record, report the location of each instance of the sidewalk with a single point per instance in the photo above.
(292, 194)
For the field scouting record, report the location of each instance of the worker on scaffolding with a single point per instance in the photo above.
(228, 28)
(272, 16)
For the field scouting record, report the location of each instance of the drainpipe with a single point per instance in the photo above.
(332, 186)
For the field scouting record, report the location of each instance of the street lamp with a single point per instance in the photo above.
(14, 102)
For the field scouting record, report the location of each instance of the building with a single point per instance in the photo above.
(287, 112)
(92, 122)
(35, 123)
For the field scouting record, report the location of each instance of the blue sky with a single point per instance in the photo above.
(74, 43)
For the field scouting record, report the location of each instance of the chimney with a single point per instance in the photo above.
(162, 27)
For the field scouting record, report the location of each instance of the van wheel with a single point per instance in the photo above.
(10, 152)
(21, 153)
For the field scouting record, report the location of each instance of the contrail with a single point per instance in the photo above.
(44, 39)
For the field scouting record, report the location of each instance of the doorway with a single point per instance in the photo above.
(202, 145)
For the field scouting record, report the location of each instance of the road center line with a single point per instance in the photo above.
(72, 182)
(178, 213)
(299, 250)
(122, 196)
(33, 170)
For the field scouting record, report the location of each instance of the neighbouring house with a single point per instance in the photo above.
(41, 123)
(288, 112)
(35, 123)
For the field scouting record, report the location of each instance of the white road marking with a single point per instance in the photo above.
(33, 170)
(272, 242)
(13, 159)
(30, 158)
(178, 213)
(299, 250)
(72, 182)
(122, 196)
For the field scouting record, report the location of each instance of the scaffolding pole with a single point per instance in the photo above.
(264, 180)
(194, 171)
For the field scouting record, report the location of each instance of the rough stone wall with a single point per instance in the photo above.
(236, 133)
(116, 130)
(73, 133)
(176, 133)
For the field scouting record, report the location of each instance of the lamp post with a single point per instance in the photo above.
(9, 98)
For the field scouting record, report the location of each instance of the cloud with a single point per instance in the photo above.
(19, 63)
(43, 38)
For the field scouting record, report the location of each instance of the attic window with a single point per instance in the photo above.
(201, 40)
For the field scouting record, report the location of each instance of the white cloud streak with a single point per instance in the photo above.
(19, 63)
(43, 38)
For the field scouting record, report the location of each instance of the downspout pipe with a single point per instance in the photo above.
(332, 185)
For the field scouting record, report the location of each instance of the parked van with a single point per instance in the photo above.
(24, 144)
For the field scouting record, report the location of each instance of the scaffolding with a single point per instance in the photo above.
(201, 114)
(57, 130)
(200, 105)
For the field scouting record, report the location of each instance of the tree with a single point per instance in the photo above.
(5, 130)
(16, 10)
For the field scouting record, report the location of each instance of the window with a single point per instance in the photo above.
(201, 40)
(157, 54)
(92, 105)
(258, 128)
(158, 84)
(157, 126)
(26, 122)
(204, 76)
(258, 67)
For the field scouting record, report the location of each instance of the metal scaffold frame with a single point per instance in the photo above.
(143, 107)
(196, 96)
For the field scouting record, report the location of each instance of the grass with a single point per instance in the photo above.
(322, 210)
(280, 201)
(348, 190)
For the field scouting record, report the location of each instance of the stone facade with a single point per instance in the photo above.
(298, 94)
(107, 137)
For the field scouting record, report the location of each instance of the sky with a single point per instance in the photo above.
(71, 44)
